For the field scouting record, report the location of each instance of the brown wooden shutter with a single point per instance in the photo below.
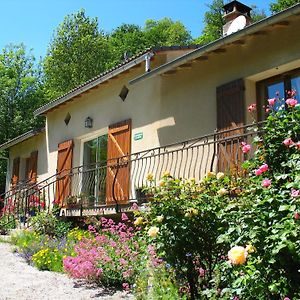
(15, 172)
(64, 166)
(32, 175)
(230, 115)
(118, 145)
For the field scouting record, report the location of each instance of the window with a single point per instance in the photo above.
(277, 86)
(94, 175)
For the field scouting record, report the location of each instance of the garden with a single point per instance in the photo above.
(231, 236)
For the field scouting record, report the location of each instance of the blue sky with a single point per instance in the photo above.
(34, 21)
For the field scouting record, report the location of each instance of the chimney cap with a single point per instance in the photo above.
(242, 8)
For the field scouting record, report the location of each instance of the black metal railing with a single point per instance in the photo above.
(121, 181)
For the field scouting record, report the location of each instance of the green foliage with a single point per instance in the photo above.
(7, 222)
(77, 52)
(157, 283)
(48, 224)
(214, 22)
(165, 32)
(280, 5)
(189, 219)
(21, 93)
(46, 252)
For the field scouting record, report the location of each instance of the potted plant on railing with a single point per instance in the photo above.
(71, 202)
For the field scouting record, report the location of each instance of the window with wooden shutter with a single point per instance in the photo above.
(118, 169)
(32, 172)
(15, 172)
(64, 166)
(230, 115)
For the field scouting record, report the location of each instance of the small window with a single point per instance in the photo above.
(124, 92)
(67, 118)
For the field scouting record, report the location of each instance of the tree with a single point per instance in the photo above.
(214, 22)
(77, 52)
(280, 5)
(166, 32)
(124, 41)
(21, 93)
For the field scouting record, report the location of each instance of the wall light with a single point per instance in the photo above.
(88, 123)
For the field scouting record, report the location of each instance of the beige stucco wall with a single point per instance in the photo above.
(23, 150)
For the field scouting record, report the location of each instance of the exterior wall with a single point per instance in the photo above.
(167, 108)
(23, 150)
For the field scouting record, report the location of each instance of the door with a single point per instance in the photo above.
(230, 116)
(118, 169)
(64, 166)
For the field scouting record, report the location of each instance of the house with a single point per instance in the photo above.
(157, 111)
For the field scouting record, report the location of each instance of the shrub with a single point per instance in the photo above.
(112, 257)
(48, 224)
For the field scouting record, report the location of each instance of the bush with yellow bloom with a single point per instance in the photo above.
(153, 231)
(237, 255)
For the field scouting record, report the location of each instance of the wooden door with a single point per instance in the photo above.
(15, 172)
(230, 116)
(64, 166)
(118, 169)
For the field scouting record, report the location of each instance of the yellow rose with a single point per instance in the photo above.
(159, 219)
(211, 174)
(166, 174)
(191, 212)
(237, 255)
(222, 192)
(153, 231)
(220, 175)
(150, 177)
(138, 221)
(161, 183)
(250, 248)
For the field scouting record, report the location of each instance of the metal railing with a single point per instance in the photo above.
(121, 181)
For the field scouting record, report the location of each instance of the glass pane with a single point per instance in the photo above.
(94, 176)
(295, 83)
(276, 90)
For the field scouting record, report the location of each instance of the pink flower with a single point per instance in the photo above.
(296, 215)
(252, 107)
(291, 102)
(124, 217)
(298, 145)
(264, 168)
(287, 142)
(266, 183)
(295, 193)
(125, 286)
(245, 147)
(272, 101)
(258, 172)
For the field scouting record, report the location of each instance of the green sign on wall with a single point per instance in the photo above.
(138, 136)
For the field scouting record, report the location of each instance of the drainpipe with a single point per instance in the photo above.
(147, 61)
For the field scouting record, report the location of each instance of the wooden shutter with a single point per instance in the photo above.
(64, 166)
(15, 172)
(230, 115)
(118, 146)
(32, 174)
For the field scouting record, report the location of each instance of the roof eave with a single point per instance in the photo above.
(294, 10)
(21, 138)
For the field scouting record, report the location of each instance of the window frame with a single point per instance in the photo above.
(262, 92)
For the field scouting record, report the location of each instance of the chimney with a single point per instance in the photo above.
(233, 10)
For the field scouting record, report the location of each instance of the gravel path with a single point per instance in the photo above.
(19, 281)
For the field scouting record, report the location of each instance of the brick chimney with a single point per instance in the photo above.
(233, 10)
